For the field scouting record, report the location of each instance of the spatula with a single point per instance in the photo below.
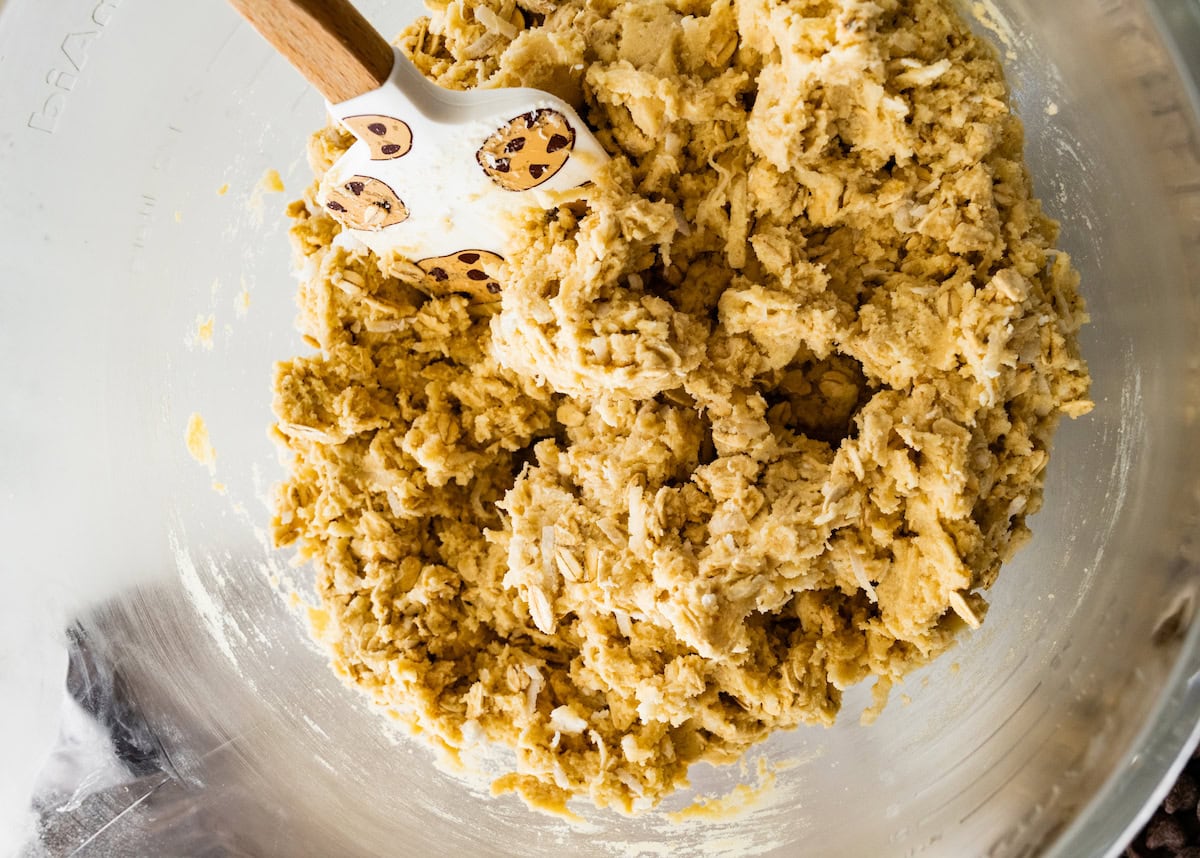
(435, 175)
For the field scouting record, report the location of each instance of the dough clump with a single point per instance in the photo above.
(762, 411)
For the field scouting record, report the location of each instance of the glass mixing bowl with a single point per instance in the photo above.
(1053, 730)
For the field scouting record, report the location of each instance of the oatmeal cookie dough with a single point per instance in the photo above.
(762, 413)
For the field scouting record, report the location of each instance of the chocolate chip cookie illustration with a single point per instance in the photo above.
(365, 203)
(465, 272)
(528, 150)
(387, 137)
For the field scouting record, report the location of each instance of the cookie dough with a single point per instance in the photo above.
(763, 412)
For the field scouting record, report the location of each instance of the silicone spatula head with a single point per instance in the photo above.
(434, 175)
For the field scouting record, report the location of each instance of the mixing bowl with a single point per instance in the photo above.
(1053, 730)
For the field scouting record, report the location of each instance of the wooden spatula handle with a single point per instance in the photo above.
(328, 42)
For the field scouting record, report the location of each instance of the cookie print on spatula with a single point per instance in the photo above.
(365, 204)
(386, 136)
(528, 150)
(469, 272)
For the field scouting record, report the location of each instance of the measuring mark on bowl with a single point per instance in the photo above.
(965, 757)
(74, 48)
(221, 47)
(1033, 755)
